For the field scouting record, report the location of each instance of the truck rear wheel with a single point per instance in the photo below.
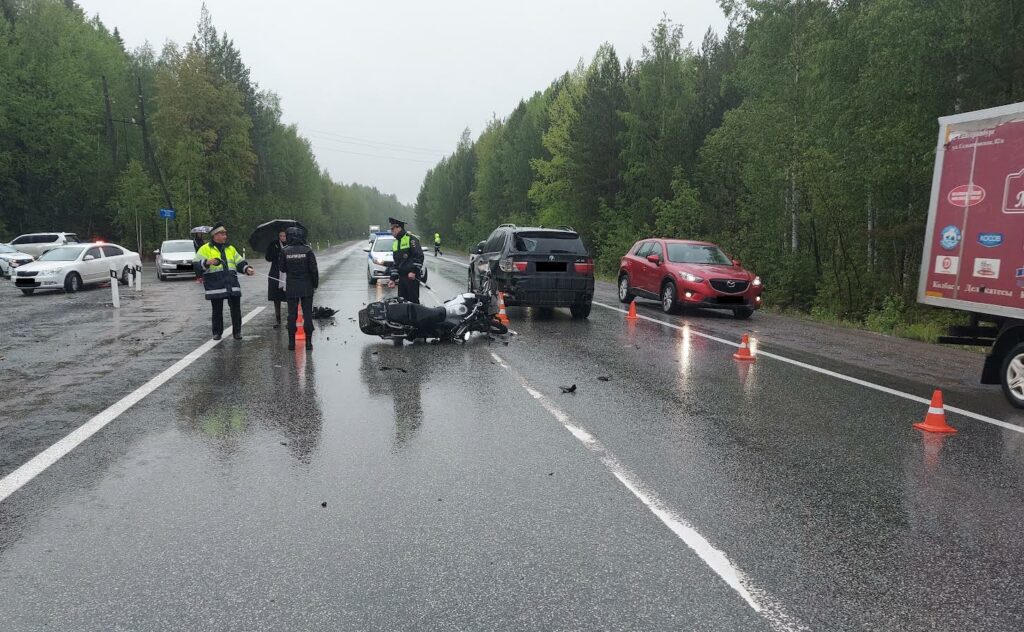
(1012, 376)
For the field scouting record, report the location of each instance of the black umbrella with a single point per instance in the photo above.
(266, 234)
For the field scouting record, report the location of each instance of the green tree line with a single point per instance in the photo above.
(801, 139)
(185, 128)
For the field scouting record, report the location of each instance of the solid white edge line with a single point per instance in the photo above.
(817, 369)
(713, 558)
(830, 373)
(39, 463)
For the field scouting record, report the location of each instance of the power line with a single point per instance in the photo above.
(377, 142)
(377, 146)
(357, 153)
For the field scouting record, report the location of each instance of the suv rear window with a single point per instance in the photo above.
(550, 242)
(72, 238)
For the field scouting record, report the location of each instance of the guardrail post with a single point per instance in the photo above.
(115, 280)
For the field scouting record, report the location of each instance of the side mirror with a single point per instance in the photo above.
(655, 259)
(88, 258)
(366, 249)
(736, 262)
(156, 252)
(479, 250)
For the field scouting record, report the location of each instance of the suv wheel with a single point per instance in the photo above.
(742, 313)
(668, 298)
(1013, 376)
(580, 310)
(624, 294)
(72, 283)
(124, 276)
(369, 278)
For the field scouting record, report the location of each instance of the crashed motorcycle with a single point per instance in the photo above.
(398, 319)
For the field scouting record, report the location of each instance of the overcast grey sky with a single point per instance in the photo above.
(384, 89)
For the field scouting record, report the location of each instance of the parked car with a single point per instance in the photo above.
(74, 266)
(175, 258)
(678, 273)
(536, 267)
(36, 244)
(11, 258)
(380, 256)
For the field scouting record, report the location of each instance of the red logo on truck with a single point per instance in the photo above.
(966, 195)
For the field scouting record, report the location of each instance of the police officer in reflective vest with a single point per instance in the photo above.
(408, 265)
(220, 263)
(302, 277)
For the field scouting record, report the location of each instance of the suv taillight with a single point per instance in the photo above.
(585, 266)
(508, 265)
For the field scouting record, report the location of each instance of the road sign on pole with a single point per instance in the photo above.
(167, 214)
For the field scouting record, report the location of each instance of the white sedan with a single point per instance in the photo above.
(74, 266)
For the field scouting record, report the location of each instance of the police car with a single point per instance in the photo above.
(380, 256)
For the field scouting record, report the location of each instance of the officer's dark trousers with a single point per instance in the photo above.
(409, 289)
(307, 314)
(235, 305)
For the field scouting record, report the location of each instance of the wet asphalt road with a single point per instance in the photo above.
(456, 498)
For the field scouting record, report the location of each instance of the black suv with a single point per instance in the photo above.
(536, 267)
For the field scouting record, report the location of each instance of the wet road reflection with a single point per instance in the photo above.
(389, 375)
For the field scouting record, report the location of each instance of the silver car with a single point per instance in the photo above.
(380, 257)
(174, 258)
(11, 258)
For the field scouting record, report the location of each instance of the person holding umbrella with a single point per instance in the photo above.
(275, 292)
(298, 262)
(220, 265)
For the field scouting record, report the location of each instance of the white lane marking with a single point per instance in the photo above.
(40, 462)
(810, 367)
(838, 376)
(714, 558)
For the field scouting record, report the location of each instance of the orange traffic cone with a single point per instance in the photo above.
(300, 329)
(632, 310)
(502, 314)
(744, 352)
(935, 420)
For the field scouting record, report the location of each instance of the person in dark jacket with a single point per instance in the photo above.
(298, 263)
(220, 265)
(408, 262)
(274, 291)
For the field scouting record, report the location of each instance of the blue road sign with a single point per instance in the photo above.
(167, 213)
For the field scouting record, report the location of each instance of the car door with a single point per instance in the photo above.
(487, 262)
(95, 269)
(638, 267)
(654, 271)
(116, 256)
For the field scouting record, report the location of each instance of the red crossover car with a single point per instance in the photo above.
(687, 273)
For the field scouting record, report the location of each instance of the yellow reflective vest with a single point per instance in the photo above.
(220, 281)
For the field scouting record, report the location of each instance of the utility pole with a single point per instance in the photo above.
(149, 148)
(109, 122)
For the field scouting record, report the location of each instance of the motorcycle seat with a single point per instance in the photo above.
(416, 315)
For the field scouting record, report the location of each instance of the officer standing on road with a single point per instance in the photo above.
(220, 263)
(299, 265)
(408, 266)
(437, 244)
